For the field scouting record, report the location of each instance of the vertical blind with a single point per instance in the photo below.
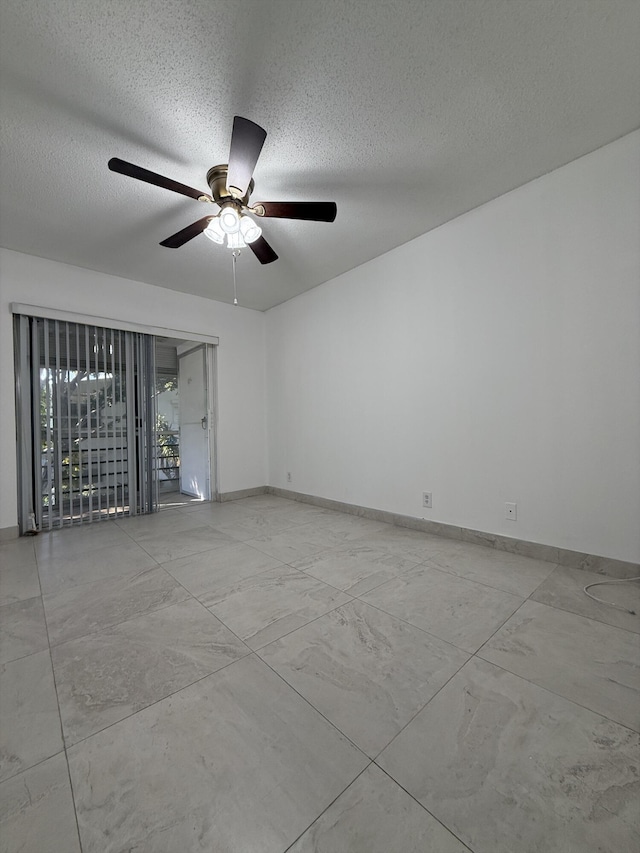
(86, 416)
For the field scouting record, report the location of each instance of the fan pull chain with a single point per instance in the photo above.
(235, 253)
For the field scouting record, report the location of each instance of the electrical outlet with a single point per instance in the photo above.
(288, 476)
(511, 511)
(426, 500)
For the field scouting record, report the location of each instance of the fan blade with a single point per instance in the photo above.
(247, 139)
(132, 171)
(188, 233)
(263, 251)
(318, 211)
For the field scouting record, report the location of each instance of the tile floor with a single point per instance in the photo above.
(266, 676)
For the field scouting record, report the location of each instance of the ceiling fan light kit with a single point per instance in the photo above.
(238, 231)
(231, 186)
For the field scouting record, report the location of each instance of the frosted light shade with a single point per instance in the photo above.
(229, 220)
(214, 232)
(249, 229)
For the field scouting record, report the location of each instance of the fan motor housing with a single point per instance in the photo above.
(217, 180)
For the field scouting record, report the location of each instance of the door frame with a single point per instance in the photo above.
(211, 390)
(211, 361)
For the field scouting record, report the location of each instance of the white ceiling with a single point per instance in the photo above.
(405, 113)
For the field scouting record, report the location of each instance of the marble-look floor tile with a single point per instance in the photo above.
(212, 570)
(90, 607)
(22, 629)
(455, 609)
(17, 552)
(164, 547)
(236, 762)
(267, 606)
(18, 571)
(298, 542)
(508, 572)
(374, 815)
(29, 719)
(211, 513)
(511, 768)
(252, 526)
(104, 677)
(36, 810)
(411, 544)
(355, 568)
(564, 589)
(310, 513)
(78, 539)
(62, 572)
(263, 502)
(366, 672)
(593, 664)
(352, 527)
(166, 522)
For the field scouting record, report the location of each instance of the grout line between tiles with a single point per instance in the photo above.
(62, 737)
(343, 544)
(156, 702)
(427, 565)
(85, 583)
(477, 654)
(554, 569)
(417, 627)
(211, 613)
(311, 705)
(23, 601)
(241, 580)
(559, 695)
(435, 817)
(192, 553)
(73, 800)
(339, 589)
(31, 767)
(22, 657)
(131, 618)
(420, 710)
(600, 621)
(67, 533)
(310, 622)
(315, 820)
(500, 626)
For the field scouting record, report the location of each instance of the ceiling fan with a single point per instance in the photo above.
(231, 187)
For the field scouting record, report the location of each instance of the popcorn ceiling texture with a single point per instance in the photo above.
(405, 113)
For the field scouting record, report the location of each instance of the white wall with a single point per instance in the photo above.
(241, 356)
(494, 359)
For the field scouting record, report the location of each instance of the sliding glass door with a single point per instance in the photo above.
(86, 414)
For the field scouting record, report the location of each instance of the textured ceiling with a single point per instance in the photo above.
(405, 113)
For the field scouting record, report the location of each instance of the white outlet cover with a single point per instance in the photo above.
(511, 511)
(427, 500)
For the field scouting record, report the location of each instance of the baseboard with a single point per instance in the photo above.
(7, 533)
(241, 493)
(562, 556)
